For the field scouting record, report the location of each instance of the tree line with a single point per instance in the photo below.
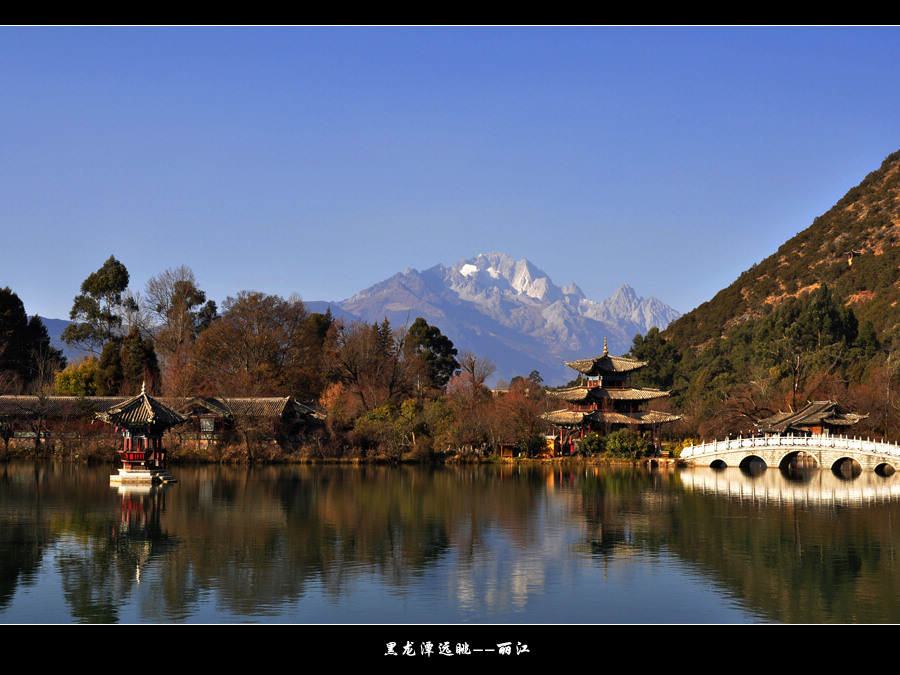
(383, 389)
(406, 390)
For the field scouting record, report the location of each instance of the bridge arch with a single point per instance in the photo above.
(753, 463)
(798, 459)
(884, 469)
(846, 467)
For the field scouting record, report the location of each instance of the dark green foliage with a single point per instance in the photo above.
(620, 444)
(109, 371)
(139, 364)
(14, 338)
(661, 356)
(25, 348)
(436, 351)
(806, 335)
(96, 309)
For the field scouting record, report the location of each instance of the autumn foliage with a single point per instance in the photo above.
(383, 391)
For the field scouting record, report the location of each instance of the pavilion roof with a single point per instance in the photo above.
(139, 411)
(814, 413)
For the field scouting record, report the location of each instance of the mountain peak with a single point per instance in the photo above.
(512, 312)
(626, 292)
(500, 272)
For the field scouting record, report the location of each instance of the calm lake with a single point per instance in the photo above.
(562, 544)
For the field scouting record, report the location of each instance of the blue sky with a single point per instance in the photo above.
(319, 161)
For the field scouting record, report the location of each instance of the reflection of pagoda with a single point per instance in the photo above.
(143, 421)
(603, 401)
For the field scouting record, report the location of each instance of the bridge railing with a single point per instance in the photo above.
(828, 442)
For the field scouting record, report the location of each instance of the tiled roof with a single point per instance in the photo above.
(57, 406)
(815, 413)
(583, 394)
(72, 407)
(282, 407)
(605, 364)
(646, 417)
(564, 418)
(570, 394)
(141, 410)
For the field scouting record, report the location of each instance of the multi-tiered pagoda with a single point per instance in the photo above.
(603, 401)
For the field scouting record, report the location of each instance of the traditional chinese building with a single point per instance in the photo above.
(35, 420)
(603, 400)
(210, 419)
(815, 418)
(142, 420)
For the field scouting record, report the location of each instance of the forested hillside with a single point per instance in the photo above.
(820, 318)
(852, 248)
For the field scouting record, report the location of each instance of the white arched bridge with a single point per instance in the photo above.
(828, 452)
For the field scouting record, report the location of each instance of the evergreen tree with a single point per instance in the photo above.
(662, 360)
(109, 371)
(436, 351)
(14, 336)
(96, 310)
(139, 364)
(25, 349)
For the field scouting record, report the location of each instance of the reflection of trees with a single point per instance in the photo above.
(21, 548)
(329, 526)
(25, 529)
(99, 546)
(621, 507)
(795, 561)
(258, 540)
(95, 582)
(791, 561)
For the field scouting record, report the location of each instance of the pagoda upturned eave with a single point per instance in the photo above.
(141, 411)
(582, 395)
(573, 418)
(605, 364)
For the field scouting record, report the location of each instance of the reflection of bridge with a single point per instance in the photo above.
(815, 488)
(827, 451)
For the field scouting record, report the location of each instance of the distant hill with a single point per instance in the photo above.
(509, 311)
(854, 248)
(55, 327)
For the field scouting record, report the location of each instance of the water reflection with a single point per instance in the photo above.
(504, 544)
(810, 487)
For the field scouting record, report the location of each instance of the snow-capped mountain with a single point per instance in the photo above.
(511, 312)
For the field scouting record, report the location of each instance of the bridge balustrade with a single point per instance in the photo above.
(861, 445)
